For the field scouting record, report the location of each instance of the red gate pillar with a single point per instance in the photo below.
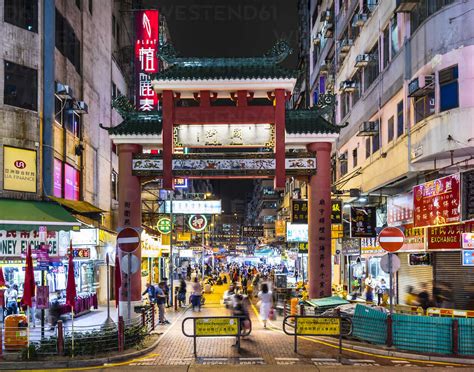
(319, 223)
(130, 215)
(280, 171)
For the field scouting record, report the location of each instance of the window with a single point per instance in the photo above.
(448, 88)
(354, 158)
(354, 31)
(114, 184)
(58, 110)
(118, 34)
(345, 104)
(72, 121)
(357, 93)
(424, 107)
(390, 129)
(67, 42)
(343, 164)
(78, 4)
(367, 147)
(90, 6)
(114, 25)
(372, 70)
(20, 86)
(376, 139)
(424, 9)
(22, 13)
(386, 47)
(394, 36)
(400, 125)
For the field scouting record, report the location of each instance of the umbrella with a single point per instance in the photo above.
(71, 283)
(118, 279)
(29, 286)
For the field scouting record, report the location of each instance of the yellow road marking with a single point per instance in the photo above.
(336, 346)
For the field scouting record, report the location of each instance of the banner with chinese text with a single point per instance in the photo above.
(363, 222)
(299, 211)
(400, 209)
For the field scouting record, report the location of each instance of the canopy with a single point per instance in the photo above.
(327, 302)
(24, 215)
(77, 206)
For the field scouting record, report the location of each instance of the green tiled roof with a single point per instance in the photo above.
(145, 124)
(264, 67)
(308, 121)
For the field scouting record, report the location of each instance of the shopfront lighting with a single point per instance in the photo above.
(362, 199)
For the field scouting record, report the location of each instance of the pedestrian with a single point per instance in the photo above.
(424, 298)
(161, 301)
(150, 292)
(182, 292)
(188, 272)
(381, 289)
(241, 311)
(196, 295)
(411, 298)
(166, 289)
(244, 284)
(266, 301)
(11, 296)
(54, 311)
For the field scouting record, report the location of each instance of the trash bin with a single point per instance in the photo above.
(16, 332)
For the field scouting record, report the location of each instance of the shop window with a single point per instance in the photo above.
(114, 184)
(424, 107)
(22, 13)
(372, 70)
(58, 110)
(367, 147)
(67, 42)
(449, 88)
(395, 45)
(20, 86)
(386, 47)
(354, 158)
(390, 129)
(400, 123)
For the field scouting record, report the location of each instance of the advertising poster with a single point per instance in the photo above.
(437, 202)
(363, 222)
(71, 183)
(400, 209)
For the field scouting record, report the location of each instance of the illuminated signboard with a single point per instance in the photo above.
(296, 233)
(146, 60)
(19, 169)
(194, 206)
(468, 240)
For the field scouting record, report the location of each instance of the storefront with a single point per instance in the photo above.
(372, 253)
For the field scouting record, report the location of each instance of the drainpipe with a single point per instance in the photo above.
(48, 96)
(406, 99)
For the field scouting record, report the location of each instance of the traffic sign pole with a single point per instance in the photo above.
(390, 281)
(129, 286)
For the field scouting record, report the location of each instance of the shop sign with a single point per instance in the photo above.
(184, 237)
(71, 182)
(437, 202)
(42, 297)
(419, 259)
(318, 326)
(302, 247)
(337, 231)
(467, 240)
(164, 225)
(414, 239)
(449, 236)
(363, 222)
(299, 211)
(280, 228)
(107, 238)
(19, 169)
(180, 183)
(400, 209)
(468, 258)
(58, 178)
(252, 231)
(85, 237)
(194, 206)
(296, 233)
(369, 247)
(81, 252)
(351, 247)
(146, 60)
(186, 253)
(336, 211)
(216, 327)
(197, 222)
(42, 257)
(15, 243)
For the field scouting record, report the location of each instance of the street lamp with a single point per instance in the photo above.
(108, 322)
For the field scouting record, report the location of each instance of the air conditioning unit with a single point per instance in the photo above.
(342, 157)
(63, 91)
(317, 39)
(368, 128)
(406, 6)
(359, 20)
(348, 86)
(326, 16)
(421, 86)
(362, 60)
(346, 45)
(81, 107)
(325, 66)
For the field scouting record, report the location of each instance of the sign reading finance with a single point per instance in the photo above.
(220, 135)
(252, 231)
(194, 206)
(19, 169)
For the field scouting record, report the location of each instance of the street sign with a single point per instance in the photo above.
(385, 266)
(164, 225)
(197, 222)
(391, 239)
(128, 240)
(131, 267)
(468, 257)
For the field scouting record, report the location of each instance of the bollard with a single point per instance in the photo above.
(302, 309)
(455, 330)
(153, 316)
(60, 341)
(389, 331)
(120, 333)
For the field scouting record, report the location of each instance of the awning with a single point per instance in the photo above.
(21, 215)
(81, 207)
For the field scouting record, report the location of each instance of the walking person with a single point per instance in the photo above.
(240, 310)
(196, 295)
(161, 301)
(182, 292)
(266, 302)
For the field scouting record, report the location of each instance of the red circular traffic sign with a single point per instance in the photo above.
(391, 239)
(128, 240)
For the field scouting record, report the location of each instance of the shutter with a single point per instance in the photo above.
(412, 276)
(448, 269)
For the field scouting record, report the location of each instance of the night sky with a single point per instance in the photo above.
(229, 28)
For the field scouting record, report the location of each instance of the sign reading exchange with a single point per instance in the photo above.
(19, 169)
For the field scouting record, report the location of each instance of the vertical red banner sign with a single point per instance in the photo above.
(146, 60)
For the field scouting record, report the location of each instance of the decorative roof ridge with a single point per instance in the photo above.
(277, 54)
(127, 110)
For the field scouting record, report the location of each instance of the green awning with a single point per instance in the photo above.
(21, 215)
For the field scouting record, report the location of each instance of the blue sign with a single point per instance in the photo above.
(468, 257)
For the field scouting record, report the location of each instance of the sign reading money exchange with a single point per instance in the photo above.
(15, 243)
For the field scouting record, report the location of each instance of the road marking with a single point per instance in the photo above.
(361, 361)
(325, 362)
(251, 361)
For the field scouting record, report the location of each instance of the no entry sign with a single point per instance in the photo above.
(128, 240)
(391, 239)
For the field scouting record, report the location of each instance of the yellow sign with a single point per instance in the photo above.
(166, 239)
(336, 231)
(280, 228)
(318, 326)
(19, 169)
(184, 237)
(216, 327)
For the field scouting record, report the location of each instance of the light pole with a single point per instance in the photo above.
(171, 265)
(108, 322)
